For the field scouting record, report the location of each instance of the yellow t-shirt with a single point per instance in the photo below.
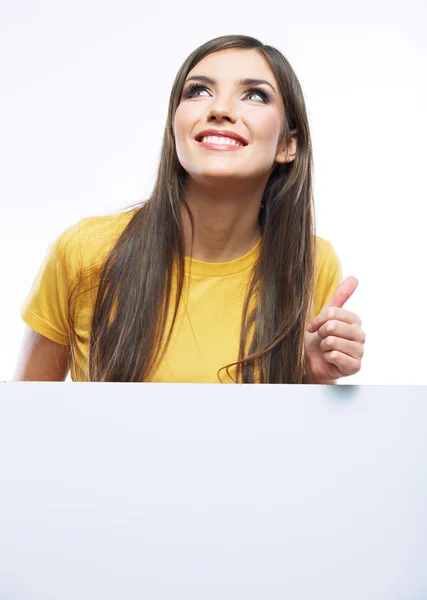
(206, 333)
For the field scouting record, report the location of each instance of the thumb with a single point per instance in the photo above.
(343, 292)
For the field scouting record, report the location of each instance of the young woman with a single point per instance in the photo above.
(216, 277)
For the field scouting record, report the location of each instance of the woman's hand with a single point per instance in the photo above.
(334, 340)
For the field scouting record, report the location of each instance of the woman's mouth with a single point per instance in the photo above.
(214, 142)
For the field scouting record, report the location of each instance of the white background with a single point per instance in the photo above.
(84, 90)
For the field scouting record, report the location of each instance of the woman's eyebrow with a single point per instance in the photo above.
(247, 81)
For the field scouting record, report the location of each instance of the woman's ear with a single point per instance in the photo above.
(288, 151)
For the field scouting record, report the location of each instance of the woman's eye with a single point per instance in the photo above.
(194, 90)
(197, 92)
(255, 94)
(260, 93)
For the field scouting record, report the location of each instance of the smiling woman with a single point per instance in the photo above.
(220, 269)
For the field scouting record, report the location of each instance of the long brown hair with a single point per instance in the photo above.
(136, 279)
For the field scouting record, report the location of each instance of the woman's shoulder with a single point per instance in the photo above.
(102, 227)
(326, 254)
(92, 237)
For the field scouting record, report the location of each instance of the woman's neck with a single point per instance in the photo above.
(226, 224)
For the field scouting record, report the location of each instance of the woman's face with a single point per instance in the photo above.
(217, 103)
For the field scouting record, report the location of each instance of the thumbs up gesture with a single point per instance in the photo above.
(334, 340)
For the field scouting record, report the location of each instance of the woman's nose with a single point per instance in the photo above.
(222, 109)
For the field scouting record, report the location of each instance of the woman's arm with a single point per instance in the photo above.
(41, 359)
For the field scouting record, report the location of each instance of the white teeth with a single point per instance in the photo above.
(223, 141)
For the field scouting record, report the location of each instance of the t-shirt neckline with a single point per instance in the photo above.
(209, 269)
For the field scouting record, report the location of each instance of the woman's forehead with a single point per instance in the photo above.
(234, 63)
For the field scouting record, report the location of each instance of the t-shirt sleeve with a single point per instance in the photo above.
(329, 276)
(46, 307)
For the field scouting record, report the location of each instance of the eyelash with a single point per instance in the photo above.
(195, 87)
